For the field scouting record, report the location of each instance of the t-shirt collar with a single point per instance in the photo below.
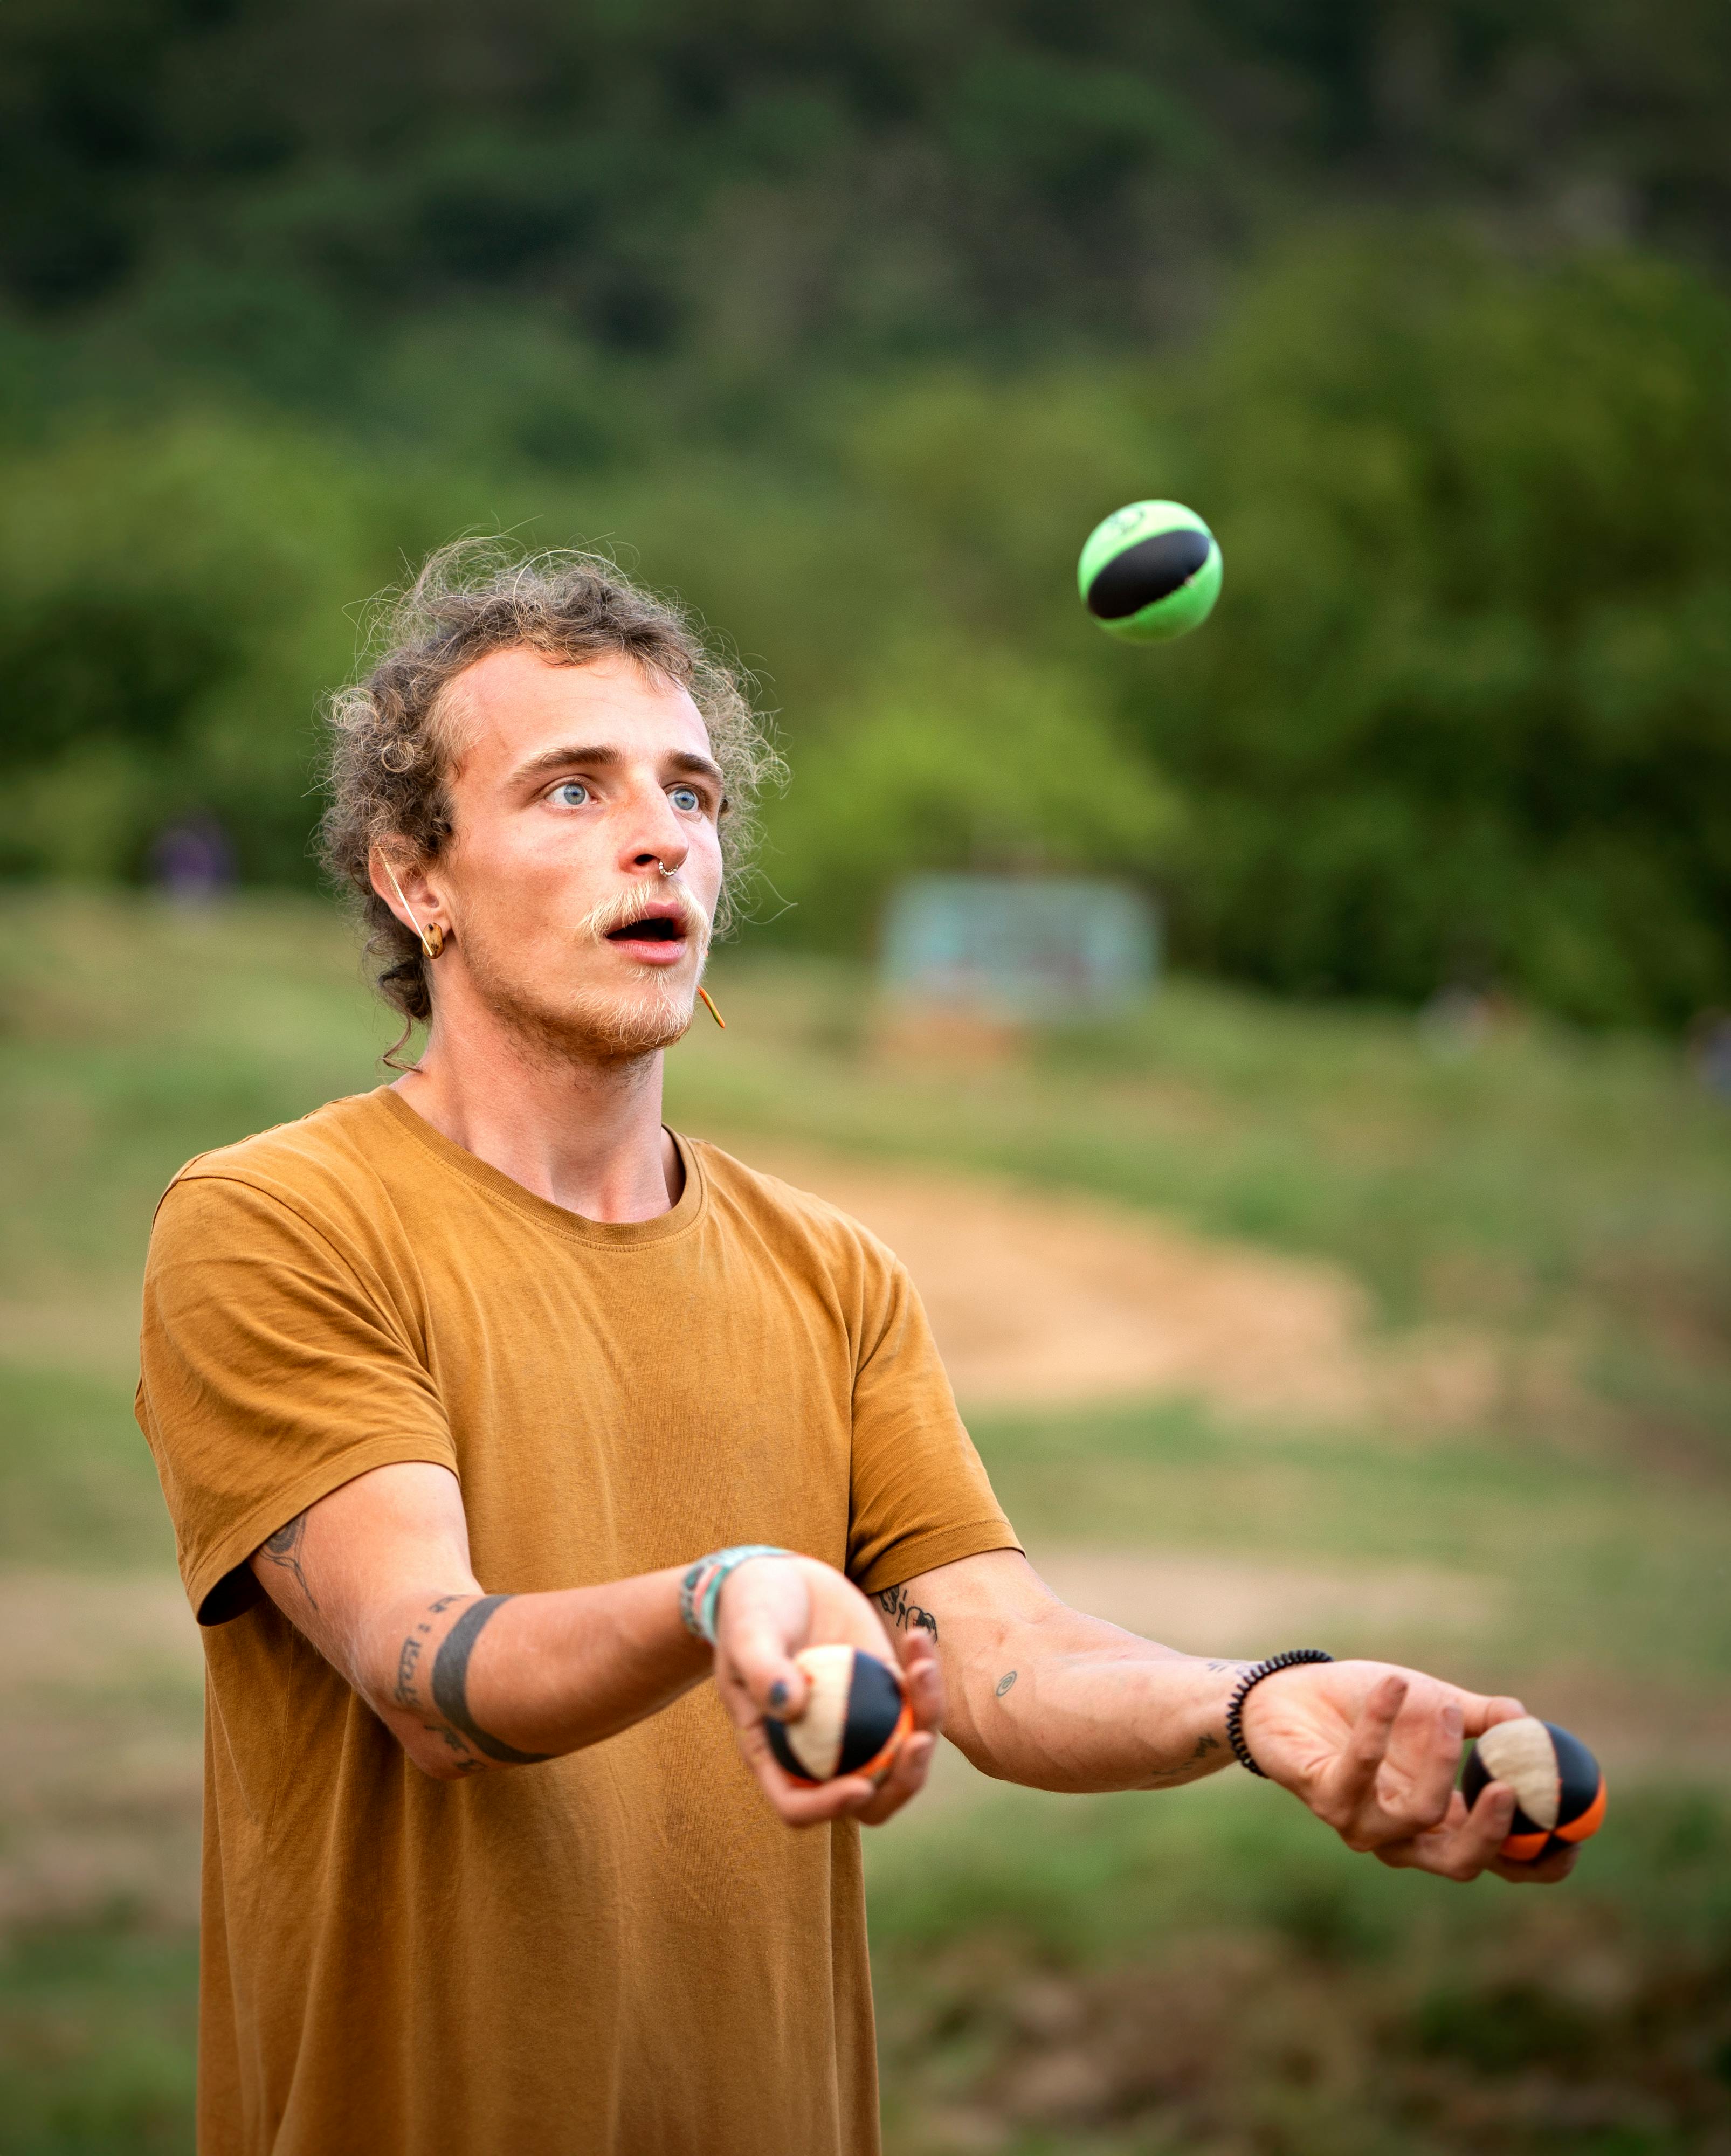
(493, 1182)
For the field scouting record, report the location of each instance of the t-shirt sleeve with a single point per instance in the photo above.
(273, 1371)
(920, 1497)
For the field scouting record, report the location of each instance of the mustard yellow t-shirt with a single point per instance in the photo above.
(620, 1951)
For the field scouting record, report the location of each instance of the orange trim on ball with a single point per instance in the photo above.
(881, 1761)
(1590, 1821)
(876, 1766)
(1525, 1848)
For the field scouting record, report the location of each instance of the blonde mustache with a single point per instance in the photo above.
(625, 906)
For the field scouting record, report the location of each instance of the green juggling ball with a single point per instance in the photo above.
(1150, 572)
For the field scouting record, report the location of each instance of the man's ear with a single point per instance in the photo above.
(417, 903)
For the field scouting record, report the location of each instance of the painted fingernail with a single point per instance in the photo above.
(778, 1694)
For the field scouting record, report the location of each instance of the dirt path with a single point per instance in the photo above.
(1043, 1299)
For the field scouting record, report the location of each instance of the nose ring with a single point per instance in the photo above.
(666, 870)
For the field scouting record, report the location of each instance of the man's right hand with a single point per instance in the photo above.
(768, 1608)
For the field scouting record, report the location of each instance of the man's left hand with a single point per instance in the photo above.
(1374, 1750)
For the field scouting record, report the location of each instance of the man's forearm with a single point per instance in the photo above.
(1080, 1705)
(377, 1575)
(1042, 1695)
(469, 1681)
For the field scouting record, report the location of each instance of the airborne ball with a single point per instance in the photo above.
(1560, 1790)
(856, 1717)
(1150, 572)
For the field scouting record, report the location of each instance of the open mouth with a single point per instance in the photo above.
(657, 931)
(651, 928)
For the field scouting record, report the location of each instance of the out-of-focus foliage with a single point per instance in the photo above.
(1463, 711)
(963, 761)
(850, 326)
(1469, 713)
(268, 191)
(170, 604)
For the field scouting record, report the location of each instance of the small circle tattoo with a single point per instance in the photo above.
(1005, 1682)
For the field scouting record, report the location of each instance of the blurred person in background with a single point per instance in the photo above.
(191, 861)
(461, 1389)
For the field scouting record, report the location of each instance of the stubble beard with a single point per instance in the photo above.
(648, 1012)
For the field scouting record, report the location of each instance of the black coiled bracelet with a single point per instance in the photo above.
(1252, 1677)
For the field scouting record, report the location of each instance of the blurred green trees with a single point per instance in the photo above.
(170, 599)
(850, 330)
(261, 191)
(1463, 712)
(1468, 714)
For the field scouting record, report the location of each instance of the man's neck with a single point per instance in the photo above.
(584, 1135)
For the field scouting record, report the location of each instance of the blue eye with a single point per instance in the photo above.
(571, 792)
(684, 798)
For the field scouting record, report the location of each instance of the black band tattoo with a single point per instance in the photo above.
(450, 1684)
(284, 1548)
(1005, 1682)
(905, 1614)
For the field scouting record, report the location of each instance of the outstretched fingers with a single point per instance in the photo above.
(1428, 1761)
(1397, 1770)
(1347, 1799)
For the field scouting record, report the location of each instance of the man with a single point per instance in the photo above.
(452, 1384)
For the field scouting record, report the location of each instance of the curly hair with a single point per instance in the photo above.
(390, 745)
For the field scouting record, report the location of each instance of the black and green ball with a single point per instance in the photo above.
(1151, 571)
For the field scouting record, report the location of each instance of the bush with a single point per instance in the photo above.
(1462, 716)
(1464, 711)
(171, 604)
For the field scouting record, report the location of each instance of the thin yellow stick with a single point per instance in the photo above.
(709, 1002)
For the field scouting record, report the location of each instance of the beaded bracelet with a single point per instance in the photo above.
(1252, 1677)
(701, 1588)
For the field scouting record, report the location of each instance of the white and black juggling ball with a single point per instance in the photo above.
(856, 1715)
(1559, 1789)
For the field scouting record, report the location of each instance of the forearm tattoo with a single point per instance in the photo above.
(905, 1615)
(456, 1725)
(284, 1548)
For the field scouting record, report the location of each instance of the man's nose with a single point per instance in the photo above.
(657, 839)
